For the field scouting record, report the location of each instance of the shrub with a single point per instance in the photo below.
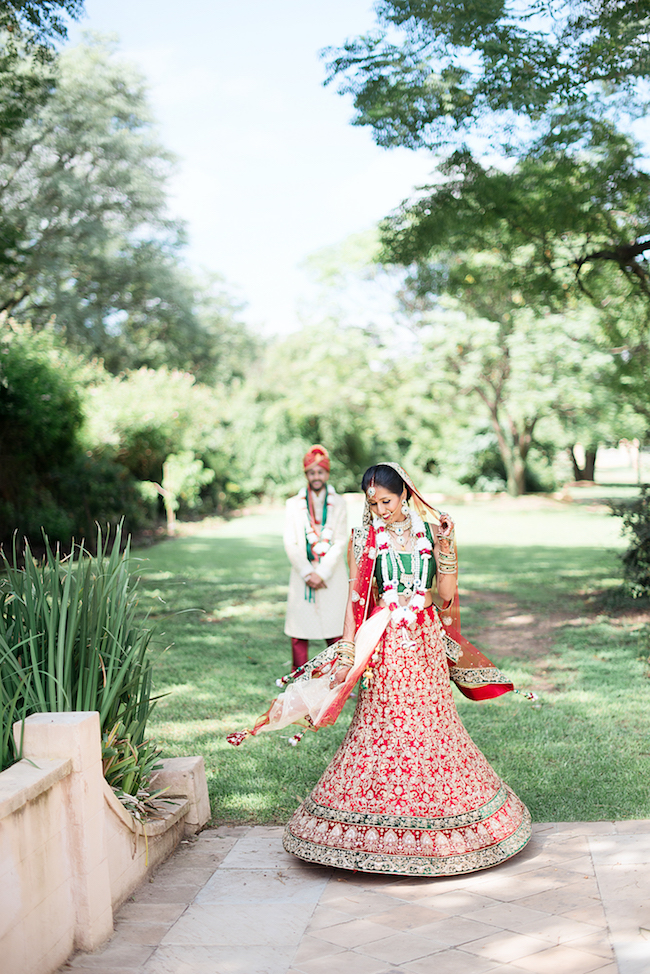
(636, 525)
(49, 482)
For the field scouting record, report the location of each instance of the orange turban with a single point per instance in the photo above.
(317, 454)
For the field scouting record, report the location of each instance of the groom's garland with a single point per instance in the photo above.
(319, 538)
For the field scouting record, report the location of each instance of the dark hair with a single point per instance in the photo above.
(384, 476)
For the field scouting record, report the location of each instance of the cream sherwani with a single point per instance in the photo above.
(322, 616)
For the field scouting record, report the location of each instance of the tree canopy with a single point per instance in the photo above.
(38, 21)
(87, 238)
(28, 29)
(432, 72)
(540, 198)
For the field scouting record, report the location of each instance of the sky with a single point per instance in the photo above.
(270, 169)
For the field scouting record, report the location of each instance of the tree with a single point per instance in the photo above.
(433, 72)
(143, 418)
(557, 228)
(565, 203)
(536, 381)
(330, 384)
(39, 21)
(28, 29)
(82, 188)
(229, 347)
(183, 478)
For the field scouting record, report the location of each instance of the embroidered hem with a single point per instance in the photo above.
(407, 821)
(477, 676)
(406, 851)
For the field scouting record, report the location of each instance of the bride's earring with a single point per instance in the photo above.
(405, 507)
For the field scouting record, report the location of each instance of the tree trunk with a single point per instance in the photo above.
(512, 460)
(514, 443)
(588, 471)
(518, 485)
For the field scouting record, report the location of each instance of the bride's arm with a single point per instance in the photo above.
(444, 552)
(347, 640)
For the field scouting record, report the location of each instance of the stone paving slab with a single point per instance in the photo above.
(232, 901)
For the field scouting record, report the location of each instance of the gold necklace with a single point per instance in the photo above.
(400, 529)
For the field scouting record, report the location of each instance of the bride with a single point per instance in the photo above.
(408, 792)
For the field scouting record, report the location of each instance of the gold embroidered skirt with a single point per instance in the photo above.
(408, 792)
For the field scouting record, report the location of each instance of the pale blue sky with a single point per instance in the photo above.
(270, 168)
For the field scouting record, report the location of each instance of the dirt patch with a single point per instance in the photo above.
(508, 632)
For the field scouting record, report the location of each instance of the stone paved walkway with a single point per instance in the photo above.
(576, 901)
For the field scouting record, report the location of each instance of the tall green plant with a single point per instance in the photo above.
(9, 712)
(69, 640)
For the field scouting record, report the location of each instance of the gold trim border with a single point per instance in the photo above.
(477, 676)
(401, 865)
(409, 821)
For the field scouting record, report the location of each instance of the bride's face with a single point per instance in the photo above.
(386, 505)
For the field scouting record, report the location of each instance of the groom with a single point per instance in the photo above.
(315, 538)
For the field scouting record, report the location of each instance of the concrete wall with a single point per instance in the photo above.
(70, 853)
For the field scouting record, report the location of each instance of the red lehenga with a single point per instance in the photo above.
(408, 791)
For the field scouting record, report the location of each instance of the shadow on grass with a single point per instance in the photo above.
(540, 575)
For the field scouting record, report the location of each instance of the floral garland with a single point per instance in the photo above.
(391, 570)
(320, 542)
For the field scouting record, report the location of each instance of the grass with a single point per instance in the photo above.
(579, 753)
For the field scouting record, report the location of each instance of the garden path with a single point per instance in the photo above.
(231, 901)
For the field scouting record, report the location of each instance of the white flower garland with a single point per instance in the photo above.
(391, 569)
(320, 544)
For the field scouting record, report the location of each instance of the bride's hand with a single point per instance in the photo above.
(339, 674)
(446, 525)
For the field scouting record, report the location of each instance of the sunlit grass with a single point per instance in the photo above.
(579, 753)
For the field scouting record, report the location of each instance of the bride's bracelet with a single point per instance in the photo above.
(346, 659)
(447, 564)
(345, 652)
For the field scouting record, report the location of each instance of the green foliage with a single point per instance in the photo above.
(87, 235)
(556, 221)
(41, 409)
(39, 21)
(27, 30)
(538, 383)
(26, 82)
(183, 478)
(562, 214)
(70, 640)
(48, 481)
(143, 418)
(128, 766)
(477, 462)
(324, 384)
(77, 444)
(636, 525)
(561, 226)
(433, 71)
(10, 713)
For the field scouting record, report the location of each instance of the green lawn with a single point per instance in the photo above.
(582, 752)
